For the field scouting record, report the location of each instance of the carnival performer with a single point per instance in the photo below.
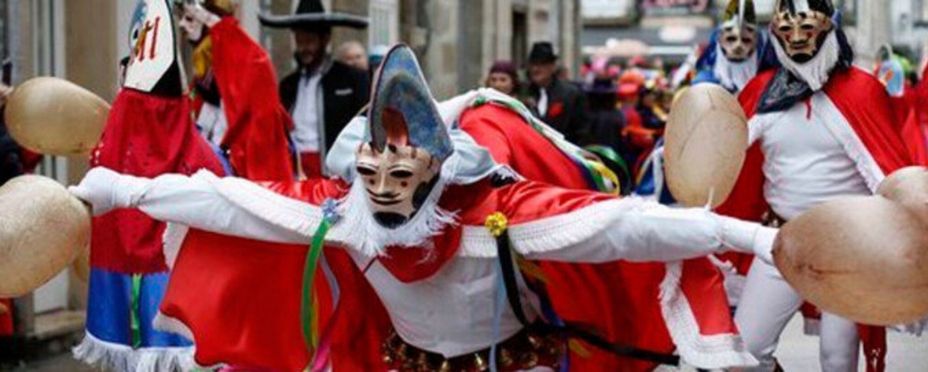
(737, 49)
(235, 94)
(149, 132)
(432, 224)
(736, 53)
(819, 129)
(645, 300)
(323, 94)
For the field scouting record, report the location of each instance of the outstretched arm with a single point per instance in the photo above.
(580, 226)
(229, 206)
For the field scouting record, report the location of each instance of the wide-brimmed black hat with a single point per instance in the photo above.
(542, 52)
(311, 14)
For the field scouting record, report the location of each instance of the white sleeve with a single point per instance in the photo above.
(757, 125)
(229, 206)
(636, 230)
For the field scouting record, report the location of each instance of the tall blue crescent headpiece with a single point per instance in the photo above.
(400, 87)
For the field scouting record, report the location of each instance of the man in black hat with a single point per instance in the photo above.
(558, 103)
(322, 95)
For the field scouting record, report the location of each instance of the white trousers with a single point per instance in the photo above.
(767, 305)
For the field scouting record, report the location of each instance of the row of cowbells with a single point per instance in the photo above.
(863, 258)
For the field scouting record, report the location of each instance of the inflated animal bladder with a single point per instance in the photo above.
(55, 117)
(705, 145)
(908, 187)
(862, 258)
(43, 228)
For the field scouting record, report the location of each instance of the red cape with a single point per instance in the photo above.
(866, 106)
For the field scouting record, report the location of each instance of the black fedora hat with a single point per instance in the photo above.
(311, 14)
(542, 52)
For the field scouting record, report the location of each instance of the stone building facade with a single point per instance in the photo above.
(458, 40)
(83, 41)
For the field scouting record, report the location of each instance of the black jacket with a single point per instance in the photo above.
(345, 90)
(567, 111)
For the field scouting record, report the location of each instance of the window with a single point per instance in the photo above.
(385, 23)
(920, 8)
(608, 12)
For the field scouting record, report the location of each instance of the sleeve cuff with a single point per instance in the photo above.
(129, 190)
(747, 237)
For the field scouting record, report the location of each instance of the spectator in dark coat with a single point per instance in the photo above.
(606, 120)
(322, 95)
(556, 102)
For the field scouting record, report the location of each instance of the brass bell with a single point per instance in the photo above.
(505, 357)
(445, 366)
(529, 360)
(423, 362)
(534, 341)
(479, 363)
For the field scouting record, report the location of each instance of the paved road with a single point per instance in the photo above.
(59, 363)
(797, 353)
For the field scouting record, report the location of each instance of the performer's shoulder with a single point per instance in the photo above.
(750, 95)
(489, 113)
(855, 78)
(528, 200)
(759, 82)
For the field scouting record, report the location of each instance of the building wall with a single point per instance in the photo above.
(910, 25)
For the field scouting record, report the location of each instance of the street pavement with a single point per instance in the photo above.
(58, 363)
(797, 353)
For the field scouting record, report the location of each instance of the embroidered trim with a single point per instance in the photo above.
(547, 234)
(116, 357)
(279, 210)
(707, 352)
(839, 127)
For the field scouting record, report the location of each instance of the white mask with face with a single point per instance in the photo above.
(734, 75)
(815, 72)
(424, 220)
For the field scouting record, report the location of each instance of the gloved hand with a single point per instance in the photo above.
(202, 15)
(748, 237)
(106, 190)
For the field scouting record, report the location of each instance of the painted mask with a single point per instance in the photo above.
(409, 142)
(738, 43)
(397, 179)
(801, 28)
